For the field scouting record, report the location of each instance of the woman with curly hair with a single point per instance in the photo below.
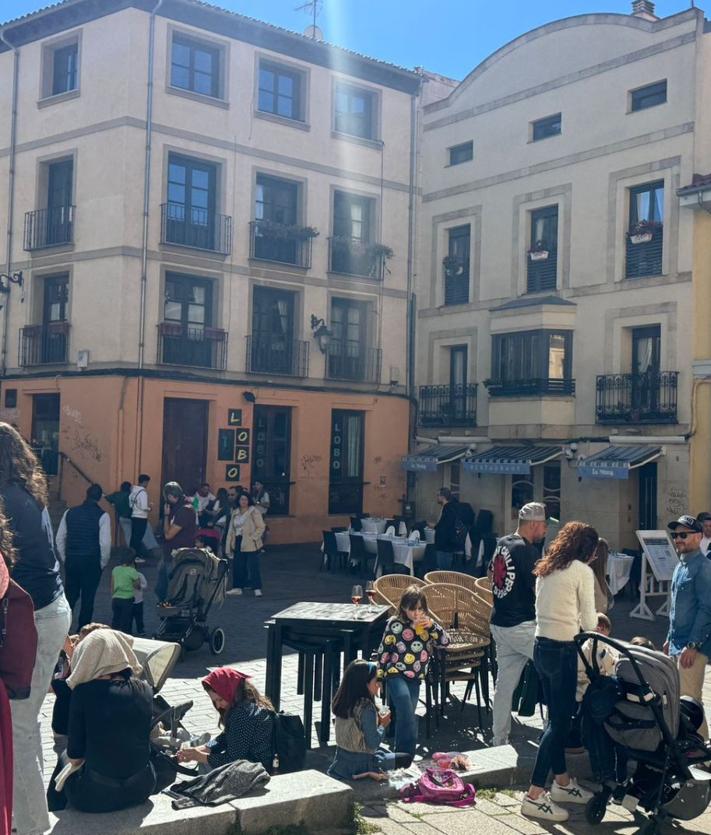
(565, 604)
(23, 493)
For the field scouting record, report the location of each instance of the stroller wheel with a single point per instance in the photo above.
(217, 641)
(595, 809)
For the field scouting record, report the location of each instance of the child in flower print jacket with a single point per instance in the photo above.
(403, 656)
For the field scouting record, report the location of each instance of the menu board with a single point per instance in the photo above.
(660, 553)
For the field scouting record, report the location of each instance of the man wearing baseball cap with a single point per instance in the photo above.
(689, 638)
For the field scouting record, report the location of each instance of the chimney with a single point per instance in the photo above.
(644, 9)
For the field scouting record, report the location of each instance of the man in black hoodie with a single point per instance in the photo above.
(513, 618)
(446, 530)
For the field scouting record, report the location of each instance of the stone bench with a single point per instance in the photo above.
(307, 797)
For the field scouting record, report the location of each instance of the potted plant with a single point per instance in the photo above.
(538, 252)
(379, 251)
(285, 231)
(453, 266)
(643, 231)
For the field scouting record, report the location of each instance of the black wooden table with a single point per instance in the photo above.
(318, 624)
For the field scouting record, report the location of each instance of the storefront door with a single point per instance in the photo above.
(648, 497)
(184, 442)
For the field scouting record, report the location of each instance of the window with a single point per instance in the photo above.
(52, 224)
(195, 66)
(60, 68)
(45, 431)
(461, 153)
(276, 211)
(345, 489)
(532, 362)
(189, 215)
(355, 111)
(187, 320)
(10, 398)
(542, 268)
(272, 455)
(353, 218)
(48, 342)
(551, 489)
(456, 265)
(458, 371)
(649, 96)
(645, 236)
(272, 343)
(349, 357)
(280, 91)
(543, 128)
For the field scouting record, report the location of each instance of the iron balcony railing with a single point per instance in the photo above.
(644, 257)
(542, 270)
(192, 345)
(351, 256)
(44, 344)
(195, 228)
(650, 397)
(456, 280)
(533, 387)
(267, 353)
(347, 361)
(448, 405)
(281, 243)
(49, 227)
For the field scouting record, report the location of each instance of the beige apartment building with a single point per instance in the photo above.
(213, 220)
(562, 281)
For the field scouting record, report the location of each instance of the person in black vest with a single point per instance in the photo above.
(84, 546)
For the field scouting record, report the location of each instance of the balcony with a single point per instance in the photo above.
(49, 227)
(266, 354)
(637, 398)
(353, 362)
(192, 345)
(351, 256)
(534, 387)
(644, 250)
(284, 244)
(448, 405)
(195, 228)
(44, 344)
(456, 280)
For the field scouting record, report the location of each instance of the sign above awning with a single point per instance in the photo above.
(617, 460)
(428, 459)
(513, 460)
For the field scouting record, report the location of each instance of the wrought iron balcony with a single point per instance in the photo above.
(448, 405)
(356, 362)
(44, 344)
(351, 256)
(195, 228)
(278, 242)
(456, 280)
(269, 354)
(192, 345)
(650, 397)
(534, 387)
(644, 250)
(49, 227)
(542, 270)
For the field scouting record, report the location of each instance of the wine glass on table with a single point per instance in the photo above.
(370, 592)
(356, 597)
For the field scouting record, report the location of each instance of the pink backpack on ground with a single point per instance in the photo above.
(440, 786)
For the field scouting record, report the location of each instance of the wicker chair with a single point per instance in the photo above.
(483, 587)
(389, 589)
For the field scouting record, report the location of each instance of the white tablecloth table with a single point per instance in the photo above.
(619, 568)
(373, 524)
(406, 552)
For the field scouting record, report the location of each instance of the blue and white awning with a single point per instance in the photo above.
(511, 460)
(428, 459)
(617, 460)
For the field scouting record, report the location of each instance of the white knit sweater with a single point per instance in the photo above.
(565, 602)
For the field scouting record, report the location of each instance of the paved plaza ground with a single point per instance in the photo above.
(291, 575)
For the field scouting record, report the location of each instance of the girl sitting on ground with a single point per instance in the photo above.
(246, 718)
(403, 656)
(359, 727)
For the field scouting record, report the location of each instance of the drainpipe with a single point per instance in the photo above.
(10, 192)
(411, 248)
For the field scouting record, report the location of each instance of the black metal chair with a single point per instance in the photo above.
(360, 556)
(356, 524)
(386, 559)
(332, 556)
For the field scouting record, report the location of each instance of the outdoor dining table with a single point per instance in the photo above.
(357, 628)
(619, 568)
(406, 551)
(373, 524)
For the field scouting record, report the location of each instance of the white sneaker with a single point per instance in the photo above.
(543, 808)
(139, 561)
(257, 592)
(572, 793)
(234, 592)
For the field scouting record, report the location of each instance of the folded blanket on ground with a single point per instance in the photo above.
(228, 782)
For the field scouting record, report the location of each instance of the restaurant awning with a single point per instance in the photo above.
(515, 460)
(617, 460)
(428, 459)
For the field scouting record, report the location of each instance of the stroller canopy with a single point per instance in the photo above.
(157, 659)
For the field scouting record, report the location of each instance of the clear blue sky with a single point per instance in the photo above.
(446, 36)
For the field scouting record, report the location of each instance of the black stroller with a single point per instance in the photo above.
(642, 740)
(195, 585)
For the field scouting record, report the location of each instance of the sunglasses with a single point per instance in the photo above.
(681, 535)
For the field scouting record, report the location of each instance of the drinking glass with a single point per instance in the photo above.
(370, 592)
(356, 597)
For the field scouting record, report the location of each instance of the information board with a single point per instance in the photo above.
(660, 553)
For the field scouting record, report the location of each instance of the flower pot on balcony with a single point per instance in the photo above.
(640, 237)
(538, 254)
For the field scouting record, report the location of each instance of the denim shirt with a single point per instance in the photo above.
(690, 610)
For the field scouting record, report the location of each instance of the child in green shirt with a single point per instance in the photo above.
(124, 581)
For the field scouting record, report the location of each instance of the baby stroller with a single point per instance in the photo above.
(196, 583)
(642, 738)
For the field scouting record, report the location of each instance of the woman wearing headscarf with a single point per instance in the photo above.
(109, 726)
(246, 718)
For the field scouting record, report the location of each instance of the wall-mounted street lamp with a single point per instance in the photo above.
(7, 279)
(321, 333)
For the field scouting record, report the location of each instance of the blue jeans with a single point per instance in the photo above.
(556, 663)
(444, 560)
(403, 694)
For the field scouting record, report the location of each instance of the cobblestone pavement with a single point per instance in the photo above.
(291, 575)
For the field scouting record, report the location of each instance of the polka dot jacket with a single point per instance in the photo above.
(247, 736)
(405, 649)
